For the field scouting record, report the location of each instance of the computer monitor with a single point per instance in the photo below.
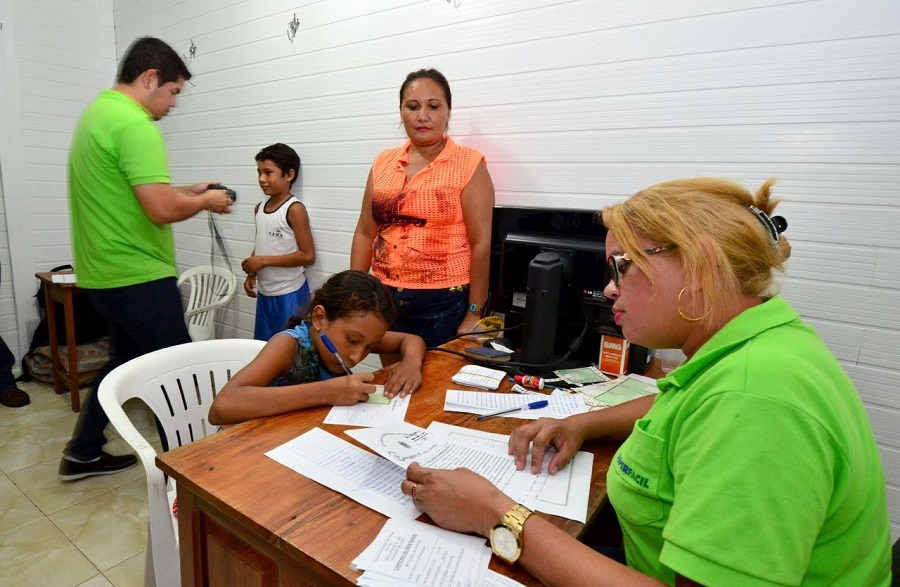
(578, 237)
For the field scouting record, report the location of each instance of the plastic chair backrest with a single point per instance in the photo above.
(178, 383)
(211, 288)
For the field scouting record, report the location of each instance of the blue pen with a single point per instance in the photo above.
(333, 350)
(532, 406)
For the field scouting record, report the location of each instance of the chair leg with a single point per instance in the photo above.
(149, 575)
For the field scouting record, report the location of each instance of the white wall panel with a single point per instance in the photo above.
(575, 104)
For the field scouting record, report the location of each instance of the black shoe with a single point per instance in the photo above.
(13, 397)
(70, 470)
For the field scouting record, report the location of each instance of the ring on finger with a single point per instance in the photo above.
(412, 492)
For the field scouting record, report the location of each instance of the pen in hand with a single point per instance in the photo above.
(333, 350)
(532, 406)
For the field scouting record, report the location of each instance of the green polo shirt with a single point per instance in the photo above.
(756, 465)
(117, 146)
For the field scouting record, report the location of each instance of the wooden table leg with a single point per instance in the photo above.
(54, 344)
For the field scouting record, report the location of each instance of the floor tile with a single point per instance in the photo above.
(129, 573)
(110, 527)
(98, 581)
(15, 508)
(35, 444)
(45, 406)
(39, 554)
(40, 484)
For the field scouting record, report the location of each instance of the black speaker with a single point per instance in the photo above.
(541, 307)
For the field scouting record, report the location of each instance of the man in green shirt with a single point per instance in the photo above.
(121, 207)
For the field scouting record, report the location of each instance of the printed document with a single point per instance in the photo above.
(561, 404)
(414, 553)
(348, 469)
(618, 391)
(442, 446)
(370, 413)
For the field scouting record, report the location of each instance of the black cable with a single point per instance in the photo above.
(505, 365)
(501, 329)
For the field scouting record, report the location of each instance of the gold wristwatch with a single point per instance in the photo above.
(506, 536)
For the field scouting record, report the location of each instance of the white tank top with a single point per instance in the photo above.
(274, 236)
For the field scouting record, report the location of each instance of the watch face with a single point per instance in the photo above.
(504, 543)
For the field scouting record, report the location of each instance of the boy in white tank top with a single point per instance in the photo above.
(283, 247)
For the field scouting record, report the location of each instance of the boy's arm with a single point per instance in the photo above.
(306, 255)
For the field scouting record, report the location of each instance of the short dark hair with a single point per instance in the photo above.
(349, 293)
(283, 156)
(148, 53)
(431, 74)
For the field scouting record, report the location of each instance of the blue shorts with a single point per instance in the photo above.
(273, 312)
(433, 314)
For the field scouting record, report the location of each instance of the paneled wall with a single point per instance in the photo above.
(575, 104)
(58, 54)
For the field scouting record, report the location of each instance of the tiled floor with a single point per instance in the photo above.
(88, 533)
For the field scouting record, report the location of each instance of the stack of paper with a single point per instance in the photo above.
(618, 391)
(413, 553)
(443, 446)
(376, 411)
(559, 405)
(481, 377)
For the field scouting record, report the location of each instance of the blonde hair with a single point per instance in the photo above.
(725, 249)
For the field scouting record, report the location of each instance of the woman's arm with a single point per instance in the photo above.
(478, 208)
(361, 249)
(248, 396)
(406, 376)
(463, 501)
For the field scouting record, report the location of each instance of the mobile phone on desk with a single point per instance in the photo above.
(487, 353)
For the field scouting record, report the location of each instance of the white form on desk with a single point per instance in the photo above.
(442, 446)
(413, 553)
(560, 404)
(370, 413)
(335, 463)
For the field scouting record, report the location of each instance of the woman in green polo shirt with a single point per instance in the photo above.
(754, 465)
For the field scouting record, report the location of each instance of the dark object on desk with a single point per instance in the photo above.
(482, 353)
(520, 234)
(541, 307)
(228, 191)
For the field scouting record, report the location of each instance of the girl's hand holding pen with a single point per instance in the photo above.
(349, 390)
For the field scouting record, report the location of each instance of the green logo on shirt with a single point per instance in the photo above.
(639, 479)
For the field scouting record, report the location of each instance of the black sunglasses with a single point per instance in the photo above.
(619, 263)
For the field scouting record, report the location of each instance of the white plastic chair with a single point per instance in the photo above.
(178, 383)
(211, 288)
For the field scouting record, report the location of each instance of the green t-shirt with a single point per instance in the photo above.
(116, 146)
(756, 465)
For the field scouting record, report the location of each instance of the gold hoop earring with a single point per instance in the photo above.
(688, 318)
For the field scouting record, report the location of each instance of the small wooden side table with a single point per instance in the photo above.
(62, 292)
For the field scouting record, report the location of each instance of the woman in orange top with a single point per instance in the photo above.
(425, 224)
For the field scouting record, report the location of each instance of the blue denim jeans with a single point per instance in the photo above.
(140, 318)
(433, 314)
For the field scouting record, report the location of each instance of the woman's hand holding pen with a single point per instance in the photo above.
(456, 499)
(349, 390)
(566, 435)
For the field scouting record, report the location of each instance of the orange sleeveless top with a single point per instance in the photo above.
(421, 240)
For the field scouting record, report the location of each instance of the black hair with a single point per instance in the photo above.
(347, 293)
(431, 74)
(148, 53)
(284, 157)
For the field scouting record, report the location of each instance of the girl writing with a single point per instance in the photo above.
(295, 369)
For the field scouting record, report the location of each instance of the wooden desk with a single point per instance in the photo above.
(62, 292)
(244, 519)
